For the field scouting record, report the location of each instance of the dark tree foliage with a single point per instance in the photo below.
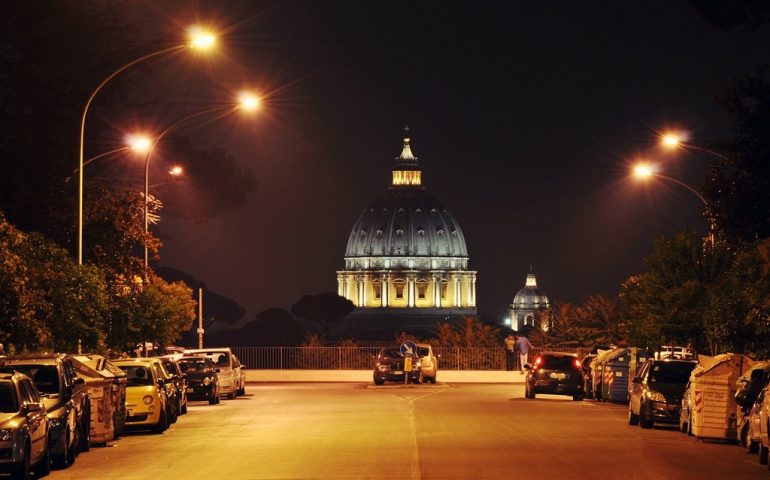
(322, 309)
(728, 14)
(738, 188)
(274, 327)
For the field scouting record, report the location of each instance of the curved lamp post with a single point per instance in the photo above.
(246, 102)
(644, 171)
(199, 39)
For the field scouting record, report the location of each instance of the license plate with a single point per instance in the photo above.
(559, 376)
(190, 390)
(397, 372)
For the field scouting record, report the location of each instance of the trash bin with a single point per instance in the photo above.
(619, 367)
(105, 382)
(712, 395)
(597, 372)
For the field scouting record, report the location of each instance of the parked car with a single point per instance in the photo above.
(588, 382)
(66, 401)
(748, 388)
(428, 362)
(555, 373)
(179, 382)
(241, 369)
(24, 443)
(389, 367)
(147, 401)
(223, 359)
(760, 423)
(656, 393)
(202, 378)
(753, 439)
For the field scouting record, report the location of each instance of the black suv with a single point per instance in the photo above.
(66, 400)
(656, 394)
(390, 367)
(202, 378)
(179, 380)
(555, 373)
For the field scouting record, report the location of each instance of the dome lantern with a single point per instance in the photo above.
(406, 170)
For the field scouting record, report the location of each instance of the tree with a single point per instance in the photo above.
(274, 327)
(471, 332)
(324, 309)
(737, 185)
(713, 298)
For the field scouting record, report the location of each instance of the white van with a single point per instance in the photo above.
(229, 377)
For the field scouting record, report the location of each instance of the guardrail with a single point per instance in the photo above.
(362, 358)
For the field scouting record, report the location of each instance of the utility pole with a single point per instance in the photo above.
(200, 318)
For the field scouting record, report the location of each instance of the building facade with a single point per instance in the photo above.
(406, 260)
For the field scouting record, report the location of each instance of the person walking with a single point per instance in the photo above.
(523, 346)
(510, 346)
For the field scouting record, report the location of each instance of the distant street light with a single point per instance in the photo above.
(199, 39)
(247, 102)
(646, 171)
(673, 140)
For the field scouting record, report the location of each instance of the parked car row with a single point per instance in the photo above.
(46, 405)
(724, 397)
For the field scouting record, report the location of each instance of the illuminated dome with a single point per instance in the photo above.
(406, 251)
(406, 222)
(527, 303)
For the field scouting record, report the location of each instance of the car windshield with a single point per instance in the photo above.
(671, 372)
(423, 351)
(170, 367)
(557, 363)
(8, 403)
(195, 364)
(45, 377)
(390, 352)
(137, 375)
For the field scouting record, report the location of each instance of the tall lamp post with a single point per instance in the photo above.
(199, 39)
(246, 102)
(644, 171)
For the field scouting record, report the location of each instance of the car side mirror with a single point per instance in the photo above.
(80, 381)
(33, 407)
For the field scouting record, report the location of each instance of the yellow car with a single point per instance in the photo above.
(147, 403)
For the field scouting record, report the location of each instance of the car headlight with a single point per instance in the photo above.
(416, 365)
(6, 434)
(656, 396)
(56, 423)
(207, 381)
(148, 399)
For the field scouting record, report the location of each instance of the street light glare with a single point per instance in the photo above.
(643, 171)
(176, 171)
(249, 101)
(201, 38)
(140, 143)
(672, 140)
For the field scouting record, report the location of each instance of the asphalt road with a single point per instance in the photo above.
(459, 431)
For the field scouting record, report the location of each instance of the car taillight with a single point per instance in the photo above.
(538, 361)
(577, 363)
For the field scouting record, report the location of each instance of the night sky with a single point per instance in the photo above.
(525, 117)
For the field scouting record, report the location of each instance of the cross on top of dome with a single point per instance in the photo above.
(406, 171)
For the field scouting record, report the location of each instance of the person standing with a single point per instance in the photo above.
(523, 346)
(510, 346)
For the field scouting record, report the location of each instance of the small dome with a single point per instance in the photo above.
(530, 297)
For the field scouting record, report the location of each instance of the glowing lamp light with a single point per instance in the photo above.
(248, 101)
(201, 39)
(643, 171)
(140, 143)
(507, 321)
(176, 171)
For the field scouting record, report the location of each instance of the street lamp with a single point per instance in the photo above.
(199, 39)
(247, 102)
(646, 171)
(673, 140)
